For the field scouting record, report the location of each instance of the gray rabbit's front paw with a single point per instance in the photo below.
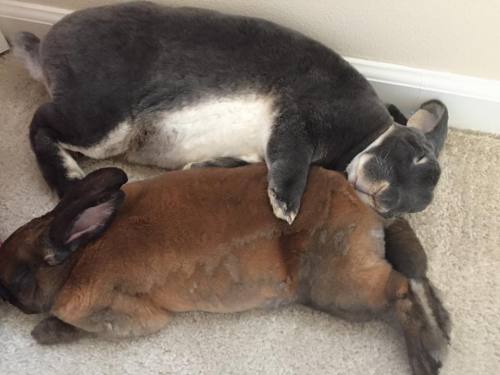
(285, 201)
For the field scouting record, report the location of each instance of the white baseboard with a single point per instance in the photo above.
(31, 12)
(18, 16)
(473, 103)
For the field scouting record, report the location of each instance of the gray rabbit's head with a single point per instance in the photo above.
(398, 172)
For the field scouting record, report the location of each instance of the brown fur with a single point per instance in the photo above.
(207, 240)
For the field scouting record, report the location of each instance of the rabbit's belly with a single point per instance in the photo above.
(237, 126)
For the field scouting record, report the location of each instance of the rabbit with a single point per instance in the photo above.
(120, 261)
(185, 87)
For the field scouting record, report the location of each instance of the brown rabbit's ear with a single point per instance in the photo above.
(84, 213)
(432, 120)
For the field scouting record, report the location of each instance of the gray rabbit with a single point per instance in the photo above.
(185, 87)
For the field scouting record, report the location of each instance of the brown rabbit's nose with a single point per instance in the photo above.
(4, 293)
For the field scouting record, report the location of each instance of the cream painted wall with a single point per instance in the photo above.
(459, 36)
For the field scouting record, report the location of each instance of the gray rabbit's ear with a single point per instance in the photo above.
(396, 114)
(432, 120)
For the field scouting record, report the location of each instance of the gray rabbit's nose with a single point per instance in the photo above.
(362, 187)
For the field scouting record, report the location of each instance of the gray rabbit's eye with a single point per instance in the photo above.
(420, 159)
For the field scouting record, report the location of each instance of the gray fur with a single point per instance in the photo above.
(135, 61)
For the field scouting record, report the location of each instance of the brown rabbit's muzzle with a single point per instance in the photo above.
(4, 293)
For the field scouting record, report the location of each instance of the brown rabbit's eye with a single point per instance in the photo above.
(21, 277)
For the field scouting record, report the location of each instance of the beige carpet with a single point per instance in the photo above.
(461, 232)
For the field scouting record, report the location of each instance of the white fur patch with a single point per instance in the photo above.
(116, 142)
(236, 126)
(366, 189)
(419, 291)
(73, 170)
(436, 340)
(360, 159)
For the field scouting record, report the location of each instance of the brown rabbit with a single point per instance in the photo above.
(207, 240)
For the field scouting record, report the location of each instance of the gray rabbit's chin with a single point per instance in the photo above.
(365, 189)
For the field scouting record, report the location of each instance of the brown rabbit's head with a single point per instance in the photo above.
(33, 260)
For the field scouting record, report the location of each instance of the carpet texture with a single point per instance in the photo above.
(460, 230)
